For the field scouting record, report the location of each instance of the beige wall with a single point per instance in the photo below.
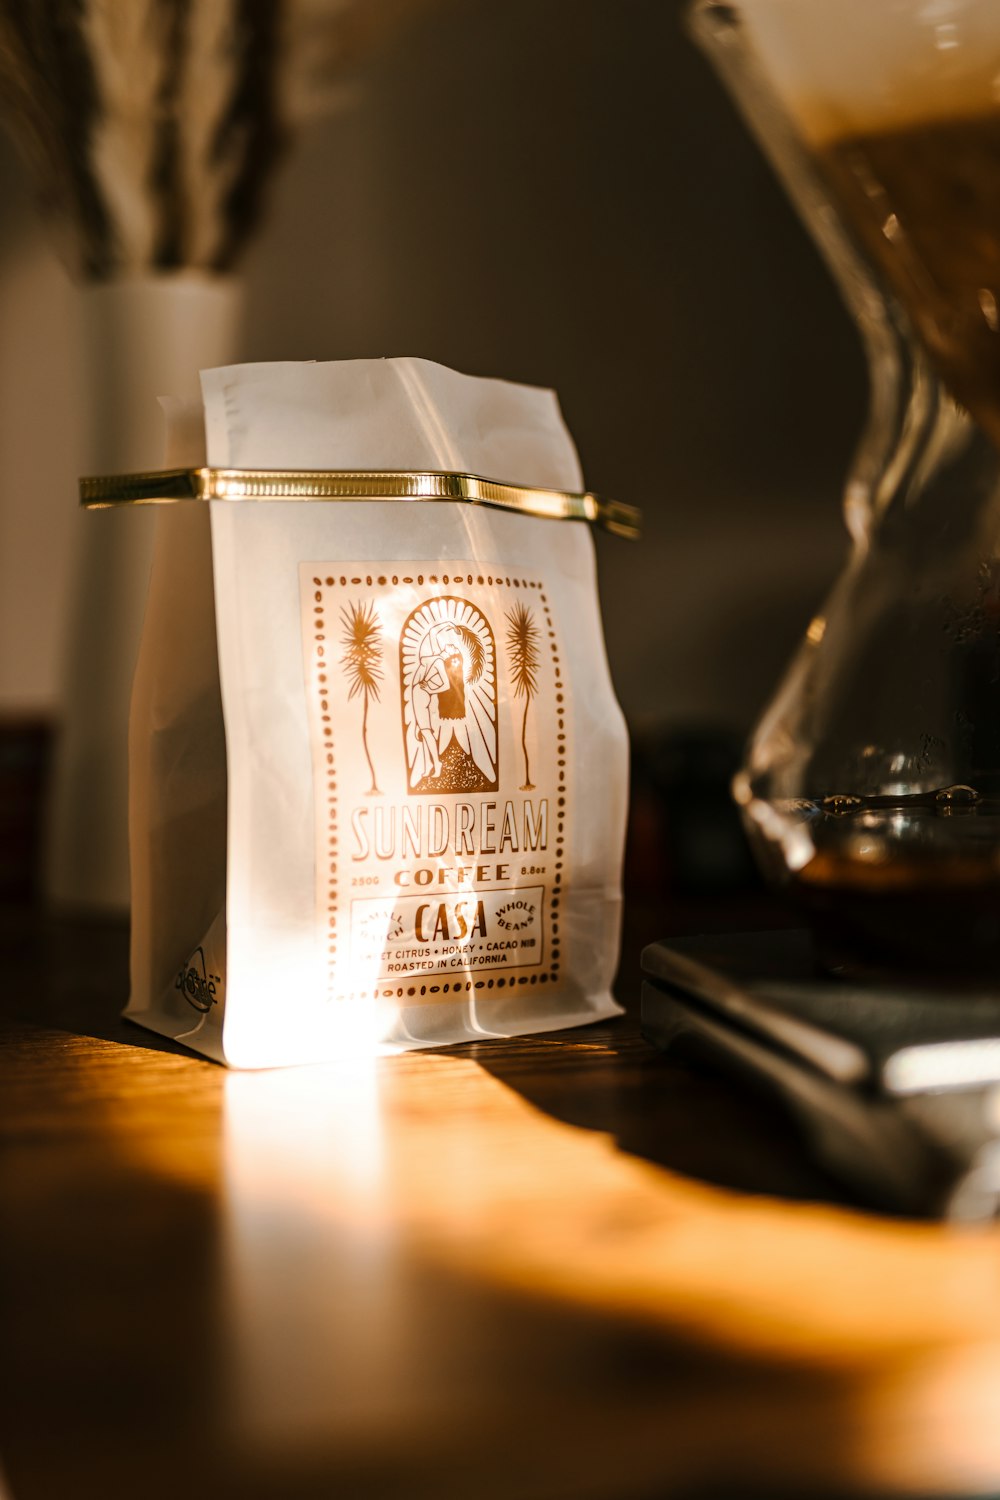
(39, 442)
(553, 191)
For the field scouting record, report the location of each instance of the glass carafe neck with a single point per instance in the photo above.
(916, 436)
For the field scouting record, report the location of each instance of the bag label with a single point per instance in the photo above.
(436, 707)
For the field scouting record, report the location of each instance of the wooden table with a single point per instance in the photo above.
(557, 1267)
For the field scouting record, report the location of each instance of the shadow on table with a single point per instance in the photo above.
(674, 1113)
(71, 974)
(684, 1118)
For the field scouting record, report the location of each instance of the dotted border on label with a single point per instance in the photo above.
(414, 992)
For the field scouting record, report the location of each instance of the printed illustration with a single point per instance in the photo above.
(438, 728)
(522, 650)
(449, 698)
(361, 661)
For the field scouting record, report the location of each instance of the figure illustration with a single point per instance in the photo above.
(449, 698)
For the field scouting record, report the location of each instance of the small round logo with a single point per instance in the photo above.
(197, 986)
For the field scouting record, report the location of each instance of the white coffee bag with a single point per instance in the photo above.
(378, 771)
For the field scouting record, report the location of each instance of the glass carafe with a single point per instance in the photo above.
(872, 783)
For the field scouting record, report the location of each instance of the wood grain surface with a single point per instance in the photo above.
(558, 1267)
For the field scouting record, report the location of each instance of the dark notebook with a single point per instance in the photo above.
(896, 1091)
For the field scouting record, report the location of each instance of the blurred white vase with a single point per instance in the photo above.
(142, 338)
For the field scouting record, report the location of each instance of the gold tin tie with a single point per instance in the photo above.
(168, 486)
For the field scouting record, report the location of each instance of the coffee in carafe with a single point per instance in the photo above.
(924, 200)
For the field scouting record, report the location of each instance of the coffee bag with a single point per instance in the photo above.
(378, 773)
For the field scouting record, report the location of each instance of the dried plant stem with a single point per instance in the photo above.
(153, 127)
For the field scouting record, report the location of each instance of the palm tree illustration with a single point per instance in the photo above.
(522, 645)
(362, 658)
